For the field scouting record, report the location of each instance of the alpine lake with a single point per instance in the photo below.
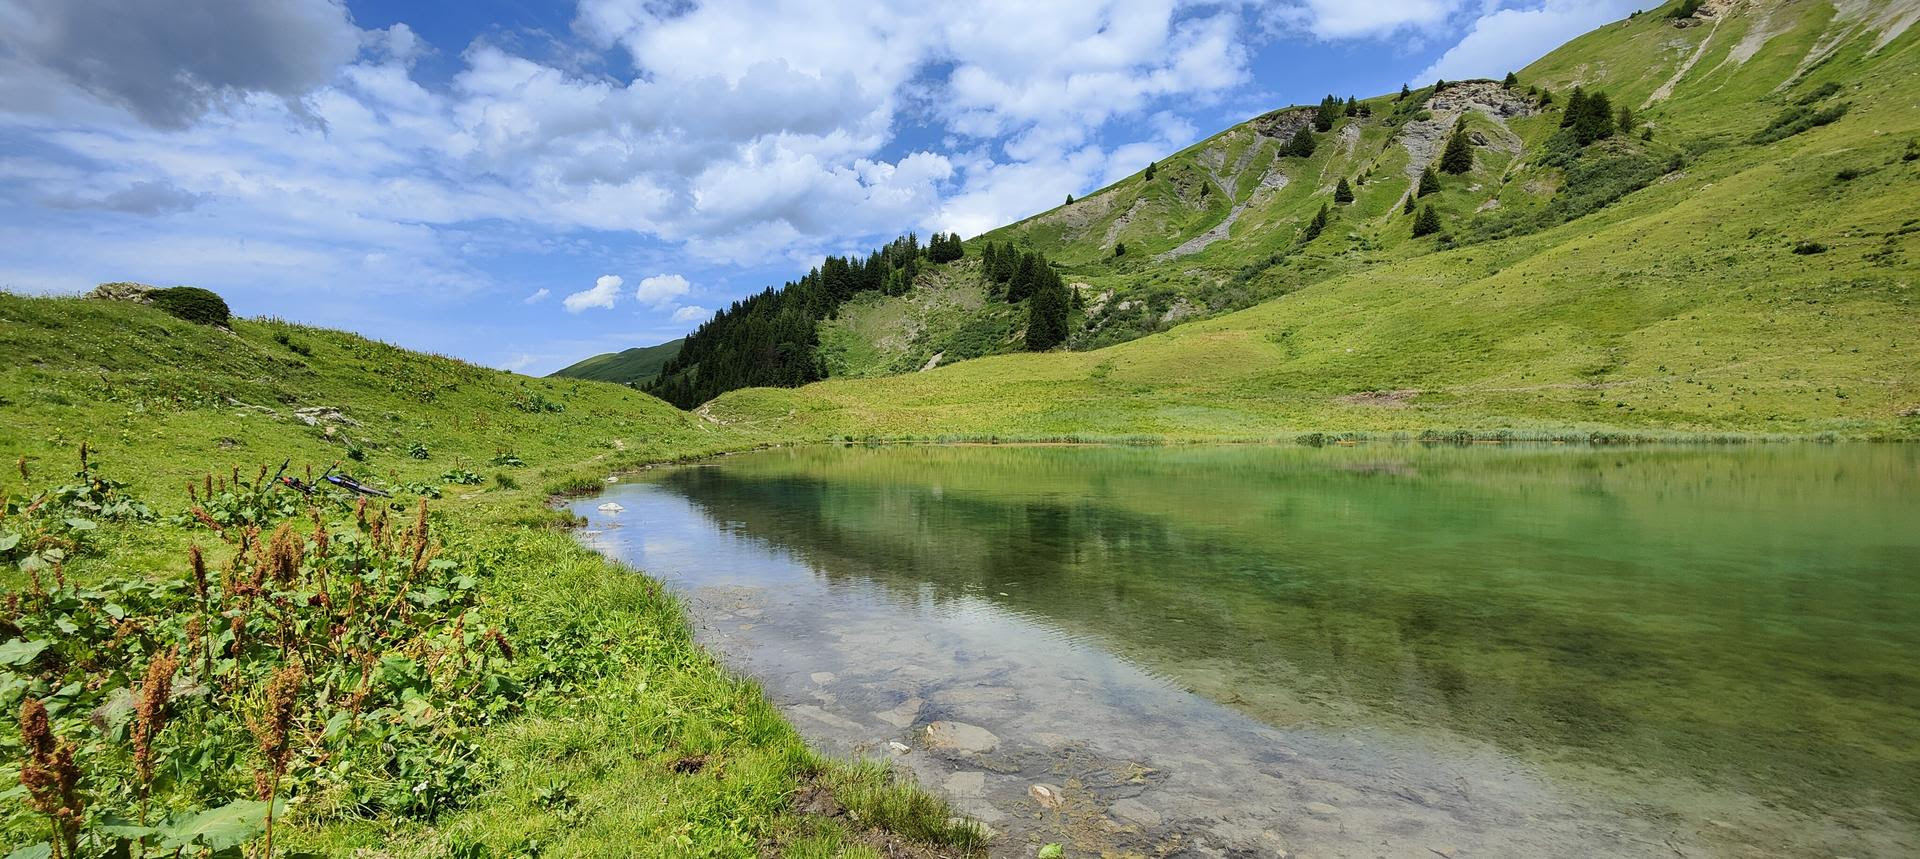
(1370, 650)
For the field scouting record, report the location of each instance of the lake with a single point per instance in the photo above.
(1377, 650)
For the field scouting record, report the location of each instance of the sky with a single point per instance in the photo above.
(522, 184)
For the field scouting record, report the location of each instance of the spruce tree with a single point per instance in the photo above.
(1302, 145)
(1426, 223)
(1069, 199)
(986, 260)
(1576, 102)
(1595, 120)
(1404, 92)
(1429, 182)
(1457, 158)
(1025, 277)
(1119, 249)
(1047, 314)
(1151, 167)
(1353, 106)
(1626, 120)
(1512, 80)
(1343, 192)
(1329, 111)
(1408, 208)
(1316, 226)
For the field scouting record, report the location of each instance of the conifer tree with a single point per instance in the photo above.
(1301, 145)
(1151, 167)
(1457, 158)
(1047, 314)
(1404, 92)
(1353, 106)
(1595, 120)
(1426, 223)
(1343, 192)
(1119, 249)
(1576, 102)
(1329, 111)
(1429, 182)
(1626, 120)
(1512, 80)
(1439, 85)
(1026, 277)
(1069, 199)
(1316, 226)
(986, 260)
(1408, 208)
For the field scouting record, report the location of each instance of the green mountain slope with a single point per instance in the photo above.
(1711, 278)
(636, 366)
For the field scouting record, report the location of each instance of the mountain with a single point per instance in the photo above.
(1737, 253)
(635, 367)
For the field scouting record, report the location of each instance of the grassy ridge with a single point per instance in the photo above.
(589, 766)
(636, 366)
(1766, 289)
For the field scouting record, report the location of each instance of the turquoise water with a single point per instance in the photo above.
(1708, 649)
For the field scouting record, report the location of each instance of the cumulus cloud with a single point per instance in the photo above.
(538, 296)
(1504, 40)
(1344, 19)
(605, 291)
(691, 313)
(169, 63)
(661, 289)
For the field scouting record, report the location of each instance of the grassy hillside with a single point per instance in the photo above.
(636, 366)
(1752, 285)
(504, 692)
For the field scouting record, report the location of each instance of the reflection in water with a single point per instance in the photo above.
(1673, 626)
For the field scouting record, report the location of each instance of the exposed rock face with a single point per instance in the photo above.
(1423, 138)
(123, 290)
(1281, 124)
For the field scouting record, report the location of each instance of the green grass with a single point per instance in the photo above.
(636, 366)
(584, 769)
(1662, 295)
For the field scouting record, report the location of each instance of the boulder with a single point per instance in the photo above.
(959, 737)
(124, 290)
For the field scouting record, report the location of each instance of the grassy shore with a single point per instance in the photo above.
(609, 731)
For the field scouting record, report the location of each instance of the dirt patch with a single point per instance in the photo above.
(815, 800)
(1381, 399)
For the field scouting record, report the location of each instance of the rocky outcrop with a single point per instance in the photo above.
(124, 290)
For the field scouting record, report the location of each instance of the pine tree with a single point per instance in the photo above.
(1026, 277)
(1575, 103)
(1595, 120)
(1408, 208)
(986, 260)
(1006, 264)
(1626, 120)
(1439, 85)
(1457, 158)
(1329, 111)
(1119, 249)
(1151, 167)
(1511, 81)
(1404, 92)
(1316, 226)
(1353, 106)
(1302, 144)
(1429, 182)
(1047, 314)
(1343, 192)
(1426, 223)
(1069, 199)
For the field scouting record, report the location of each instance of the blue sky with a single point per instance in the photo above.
(522, 184)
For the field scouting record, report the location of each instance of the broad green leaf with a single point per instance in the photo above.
(216, 829)
(18, 652)
(1051, 851)
(43, 850)
(120, 827)
(79, 524)
(9, 541)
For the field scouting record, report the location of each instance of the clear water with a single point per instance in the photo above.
(1376, 650)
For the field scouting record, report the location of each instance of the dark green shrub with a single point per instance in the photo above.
(192, 304)
(1808, 248)
(1685, 9)
(1819, 93)
(1795, 120)
(294, 346)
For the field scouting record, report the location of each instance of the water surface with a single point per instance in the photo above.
(1369, 651)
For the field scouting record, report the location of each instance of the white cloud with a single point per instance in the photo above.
(1506, 40)
(661, 289)
(606, 289)
(538, 296)
(1345, 19)
(691, 313)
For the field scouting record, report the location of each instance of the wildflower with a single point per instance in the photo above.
(150, 716)
(284, 556)
(205, 519)
(51, 777)
(270, 733)
(197, 563)
(500, 641)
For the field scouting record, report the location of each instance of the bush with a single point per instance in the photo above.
(294, 346)
(1685, 9)
(1795, 120)
(1807, 248)
(192, 304)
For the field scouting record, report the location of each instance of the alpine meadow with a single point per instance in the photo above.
(1510, 466)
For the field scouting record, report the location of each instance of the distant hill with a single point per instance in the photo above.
(636, 366)
(1739, 250)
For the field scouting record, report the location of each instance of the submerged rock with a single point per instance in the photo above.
(611, 507)
(959, 737)
(1047, 795)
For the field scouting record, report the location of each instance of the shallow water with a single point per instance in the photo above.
(1368, 651)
